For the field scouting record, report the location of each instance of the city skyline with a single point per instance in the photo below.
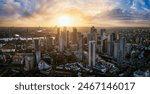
(106, 13)
(74, 52)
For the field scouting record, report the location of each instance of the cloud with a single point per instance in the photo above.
(90, 12)
(119, 14)
(141, 5)
(21, 8)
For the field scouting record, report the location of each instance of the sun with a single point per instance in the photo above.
(65, 20)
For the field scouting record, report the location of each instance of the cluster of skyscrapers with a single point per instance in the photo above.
(103, 50)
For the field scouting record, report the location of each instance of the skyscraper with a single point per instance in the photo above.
(122, 50)
(65, 36)
(74, 36)
(57, 36)
(111, 44)
(92, 53)
(36, 44)
(92, 36)
(116, 50)
(64, 39)
(113, 37)
(37, 50)
(105, 45)
(103, 37)
(68, 39)
(49, 42)
(61, 42)
(80, 45)
(102, 32)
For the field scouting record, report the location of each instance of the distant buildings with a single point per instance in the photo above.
(25, 59)
(18, 58)
(8, 48)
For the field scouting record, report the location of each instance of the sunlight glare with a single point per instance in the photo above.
(65, 20)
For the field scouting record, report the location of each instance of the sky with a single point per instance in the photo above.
(77, 12)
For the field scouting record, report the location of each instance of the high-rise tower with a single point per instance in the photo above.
(92, 53)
